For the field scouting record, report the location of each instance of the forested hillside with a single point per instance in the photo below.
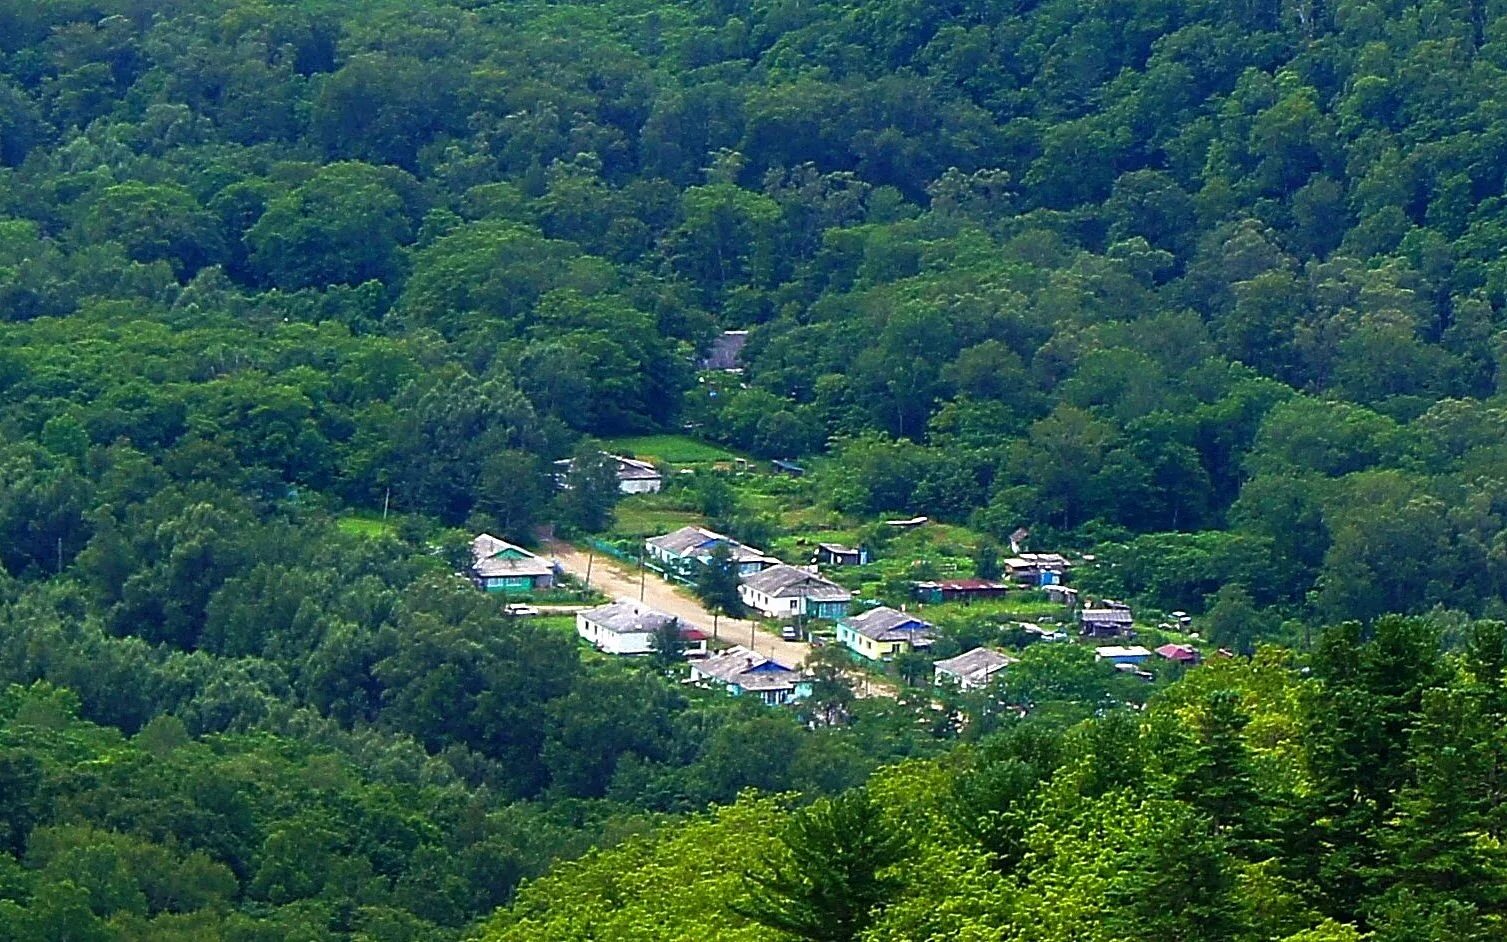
(1115, 270)
(1210, 290)
(1253, 803)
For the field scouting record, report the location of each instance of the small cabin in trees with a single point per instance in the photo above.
(972, 669)
(835, 554)
(1037, 569)
(633, 476)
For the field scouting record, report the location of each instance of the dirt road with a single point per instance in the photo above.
(621, 581)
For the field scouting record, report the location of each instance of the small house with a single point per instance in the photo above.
(633, 476)
(1134, 655)
(742, 672)
(835, 554)
(788, 592)
(637, 477)
(694, 641)
(1035, 632)
(1018, 539)
(726, 352)
(972, 669)
(1062, 595)
(684, 549)
(1106, 621)
(627, 628)
(960, 590)
(881, 633)
(789, 468)
(1184, 654)
(1037, 569)
(500, 566)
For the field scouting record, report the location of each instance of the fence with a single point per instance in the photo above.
(635, 560)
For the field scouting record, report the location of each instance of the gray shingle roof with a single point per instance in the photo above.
(747, 669)
(492, 558)
(627, 618)
(631, 469)
(888, 624)
(679, 541)
(1107, 616)
(784, 581)
(627, 469)
(974, 666)
(683, 541)
(1052, 562)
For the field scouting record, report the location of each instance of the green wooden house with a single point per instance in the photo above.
(500, 566)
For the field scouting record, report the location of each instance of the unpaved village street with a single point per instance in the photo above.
(622, 581)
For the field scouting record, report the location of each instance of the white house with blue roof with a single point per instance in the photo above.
(742, 672)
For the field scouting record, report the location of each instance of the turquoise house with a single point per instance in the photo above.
(500, 566)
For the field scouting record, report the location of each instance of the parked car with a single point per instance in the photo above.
(518, 609)
(790, 633)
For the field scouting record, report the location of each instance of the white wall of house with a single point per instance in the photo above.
(646, 486)
(965, 682)
(661, 555)
(612, 642)
(771, 606)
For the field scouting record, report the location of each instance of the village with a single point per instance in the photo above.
(895, 605)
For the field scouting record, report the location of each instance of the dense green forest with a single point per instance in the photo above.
(1213, 290)
(1254, 802)
(1202, 285)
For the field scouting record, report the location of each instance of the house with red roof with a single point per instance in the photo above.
(1180, 653)
(960, 590)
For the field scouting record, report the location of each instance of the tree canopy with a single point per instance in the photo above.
(295, 294)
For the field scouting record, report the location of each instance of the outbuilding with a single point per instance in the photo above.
(972, 669)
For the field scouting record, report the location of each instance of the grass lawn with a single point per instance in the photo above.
(366, 523)
(802, 546)
(672, 449)
(636, 519)
(1025, 607)
(565, 624)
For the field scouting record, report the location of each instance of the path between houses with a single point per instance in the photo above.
(622, 581)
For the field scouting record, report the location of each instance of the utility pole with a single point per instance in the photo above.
(590, 555)
(386, 499)
(716, 613)
(643, 571)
